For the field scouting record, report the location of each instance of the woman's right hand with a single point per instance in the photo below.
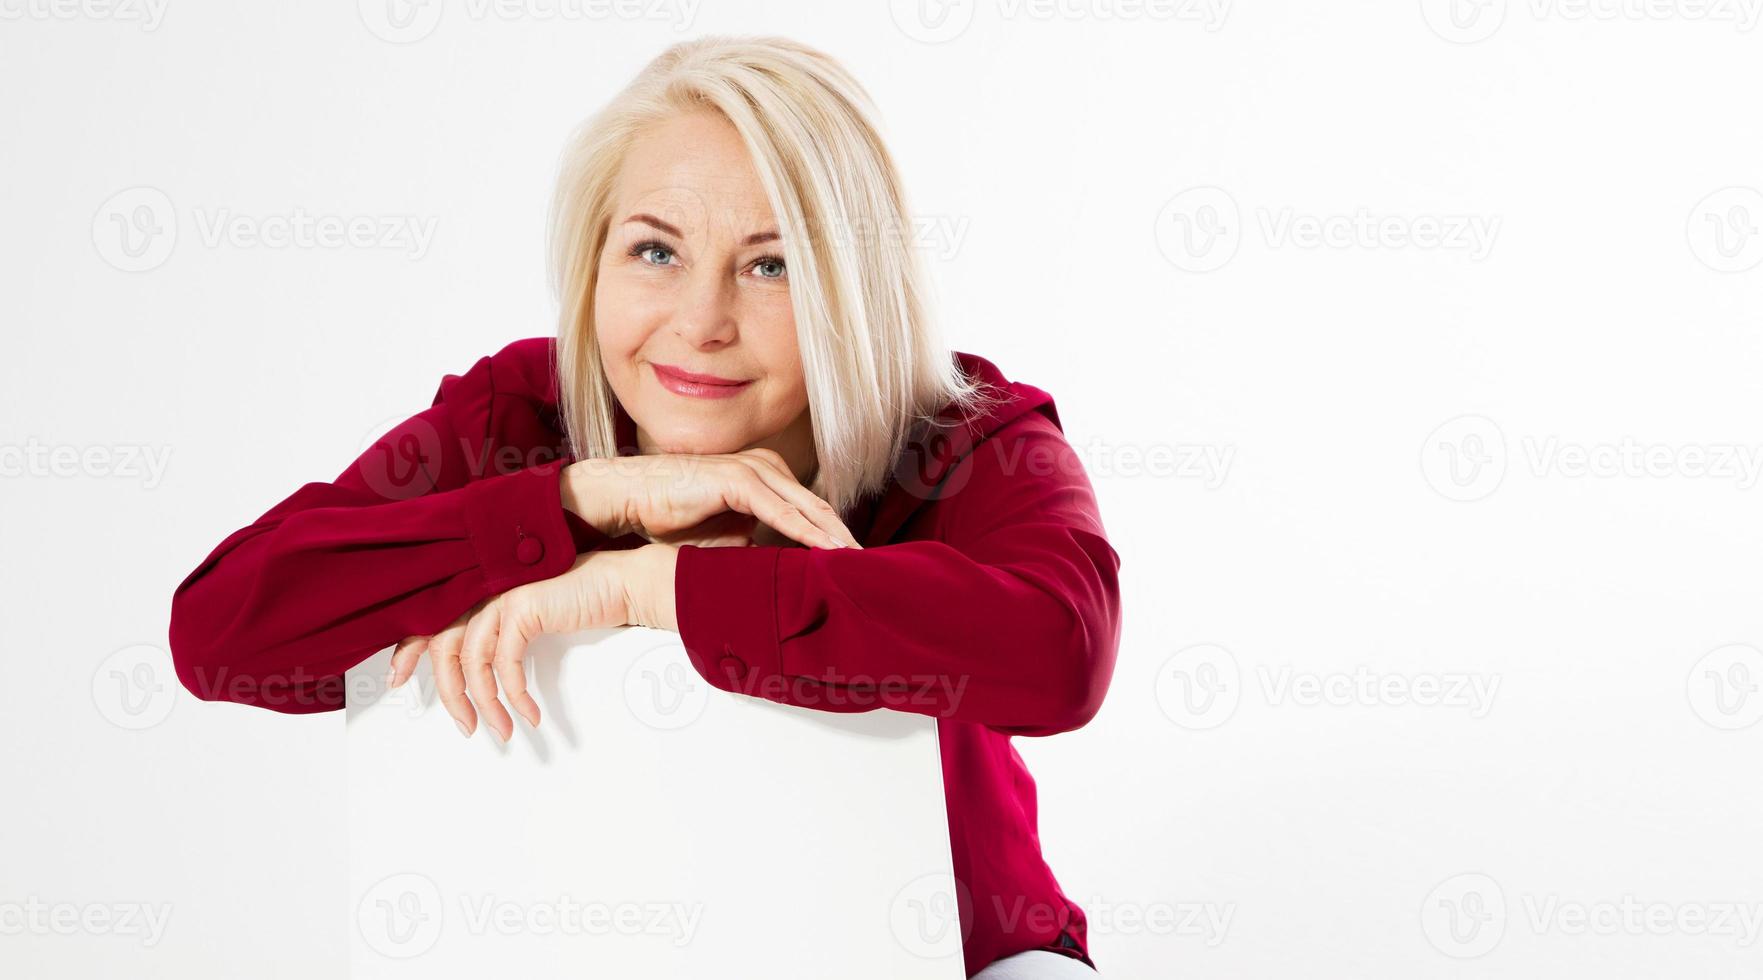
(667, 496)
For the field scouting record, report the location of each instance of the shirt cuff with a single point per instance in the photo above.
(725, 603)
(516, 524)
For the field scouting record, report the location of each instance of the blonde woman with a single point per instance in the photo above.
(746, 430)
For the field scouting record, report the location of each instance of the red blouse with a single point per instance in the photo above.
(986, 595)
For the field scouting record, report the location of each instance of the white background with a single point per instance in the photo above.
(1610, 606)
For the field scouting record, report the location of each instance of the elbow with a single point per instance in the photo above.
(192, 639)
(1075, 671)
(198, 641)
(210, 657)
(1077, 686)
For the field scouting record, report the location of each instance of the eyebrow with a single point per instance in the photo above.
(757, 238)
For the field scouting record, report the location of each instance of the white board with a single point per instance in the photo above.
(652, 826)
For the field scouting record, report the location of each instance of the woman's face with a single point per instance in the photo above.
(692, 280)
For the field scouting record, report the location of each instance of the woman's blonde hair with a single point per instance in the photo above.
(874, 364)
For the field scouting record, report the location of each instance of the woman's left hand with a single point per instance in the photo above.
(486, 646)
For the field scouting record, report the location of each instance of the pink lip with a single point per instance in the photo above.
(682, 382)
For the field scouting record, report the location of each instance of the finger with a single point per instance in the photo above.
(820, 513)
(813, 511)
(449, 680)
(509, 661)
(754, 496)
(475, 652)
(404, 660)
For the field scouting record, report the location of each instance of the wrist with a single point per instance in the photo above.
(649, 585)
(586, 494)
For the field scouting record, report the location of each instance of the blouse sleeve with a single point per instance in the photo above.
(429, 520)
(1006, 613)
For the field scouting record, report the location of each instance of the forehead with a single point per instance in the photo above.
(693, 172)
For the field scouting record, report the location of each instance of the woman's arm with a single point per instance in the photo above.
(430, 520)
(1007, 613)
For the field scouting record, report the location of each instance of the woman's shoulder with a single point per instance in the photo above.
(507, 398)
(524, 368)
(1008, 399)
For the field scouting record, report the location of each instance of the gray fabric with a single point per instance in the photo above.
(1037, 964)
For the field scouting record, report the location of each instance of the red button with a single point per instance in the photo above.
(529, 551)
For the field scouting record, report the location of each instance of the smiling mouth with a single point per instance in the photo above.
(690, 383)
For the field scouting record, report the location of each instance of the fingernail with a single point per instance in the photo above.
(462, 729)
(499, 736)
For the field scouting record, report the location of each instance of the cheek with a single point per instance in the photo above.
(783, 362)
(620, 327)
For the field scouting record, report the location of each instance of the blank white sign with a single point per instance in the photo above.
(651, 826)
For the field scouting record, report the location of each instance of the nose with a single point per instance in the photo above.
(706, 317)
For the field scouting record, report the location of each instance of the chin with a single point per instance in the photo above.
(696, 442)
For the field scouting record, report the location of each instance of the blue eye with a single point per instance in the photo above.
(644, 249)
(774, 261)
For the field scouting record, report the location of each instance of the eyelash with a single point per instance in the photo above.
(637, 250)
